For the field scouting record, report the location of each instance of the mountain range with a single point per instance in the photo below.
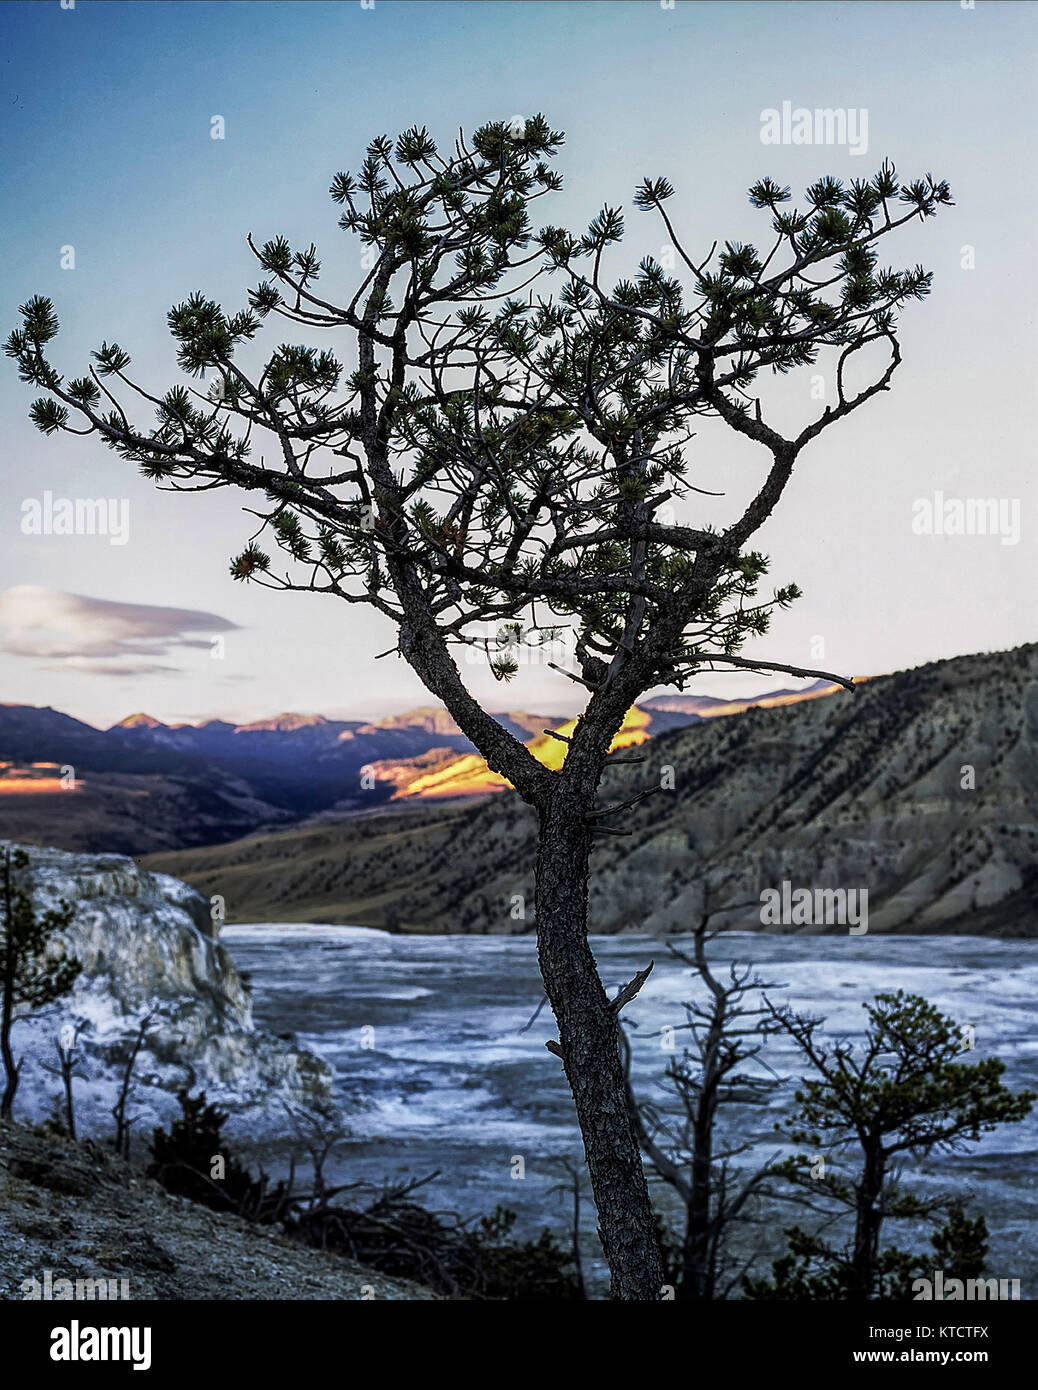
(919, 788)
(144, 786)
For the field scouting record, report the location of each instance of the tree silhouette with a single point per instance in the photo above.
(30, 977)
(184, 1157)
(905, 1090)
(722, 1067)
(494, 464)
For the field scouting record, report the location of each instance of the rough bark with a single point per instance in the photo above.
(7, 1001)
(10, 1065)
(588, 1036)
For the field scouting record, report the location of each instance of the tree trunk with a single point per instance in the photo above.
(868, 1220)
(70, 1114)
(697, 1278)
(591, 1055)
(10, 1065)
(7, 1000)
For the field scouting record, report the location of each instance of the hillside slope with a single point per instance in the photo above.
(76, 1211)
(865, 790)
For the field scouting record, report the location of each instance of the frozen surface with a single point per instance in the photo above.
(425, 1036)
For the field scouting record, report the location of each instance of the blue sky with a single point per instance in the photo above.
(105, 123)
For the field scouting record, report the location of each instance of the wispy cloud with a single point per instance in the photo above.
(97, 636)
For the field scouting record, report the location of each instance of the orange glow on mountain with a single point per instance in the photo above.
(468, 775)
(35, 780)
(795, 697)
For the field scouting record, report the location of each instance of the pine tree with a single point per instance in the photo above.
(906, 1089)
(184, 1157)
(30, 975)
(496, 464)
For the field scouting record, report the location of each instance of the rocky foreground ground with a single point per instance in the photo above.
(77, 1211)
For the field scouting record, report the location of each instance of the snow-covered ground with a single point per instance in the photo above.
(425, 1035)
(146, 946)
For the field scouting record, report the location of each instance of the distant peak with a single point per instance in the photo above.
(285, 723)
(139, 721)
(433, 718)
